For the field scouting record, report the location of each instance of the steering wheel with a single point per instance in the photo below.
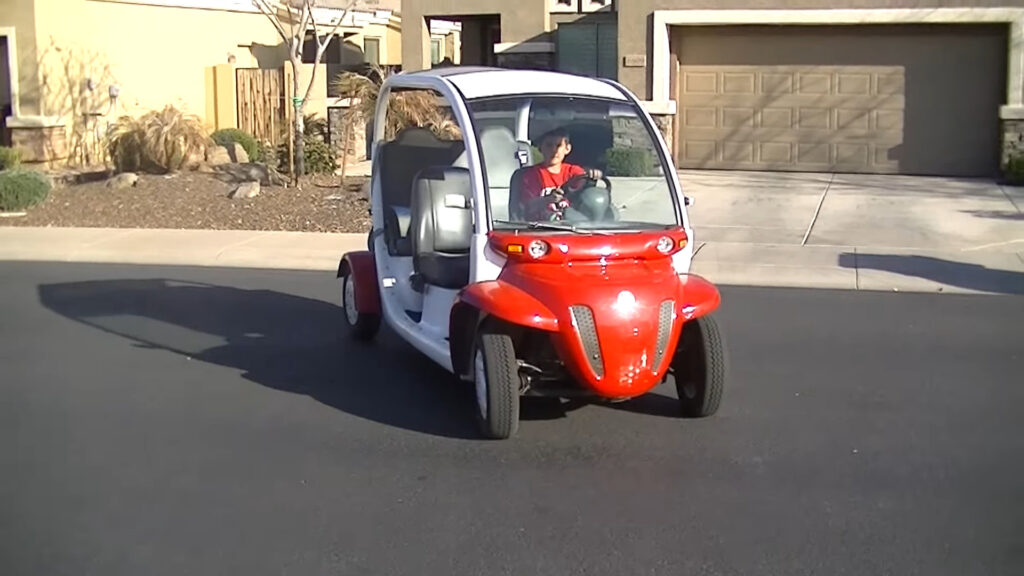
(590, 200)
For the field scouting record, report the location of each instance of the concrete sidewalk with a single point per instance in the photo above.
(797, 230)
(839, 267)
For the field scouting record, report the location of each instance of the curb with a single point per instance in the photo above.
(728, 264)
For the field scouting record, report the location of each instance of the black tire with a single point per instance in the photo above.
(700, 368)
(496, 399)
(361, 326)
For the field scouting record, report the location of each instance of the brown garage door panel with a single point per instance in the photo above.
(791, 117)
(769, 154)
(911, 99)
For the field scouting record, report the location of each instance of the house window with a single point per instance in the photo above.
(435, 50)
(371, 50)
(588, 49)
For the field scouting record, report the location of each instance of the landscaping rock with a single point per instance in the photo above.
(194, 159)
(217, 155)
(194, 200)
(246, 190)
(238, 154)
(251, 172)
(124, 180)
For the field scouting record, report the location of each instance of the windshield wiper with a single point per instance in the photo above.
(555, 225)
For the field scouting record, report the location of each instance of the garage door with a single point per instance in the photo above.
(870, 99)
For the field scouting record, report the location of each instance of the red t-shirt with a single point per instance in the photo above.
(539, 180)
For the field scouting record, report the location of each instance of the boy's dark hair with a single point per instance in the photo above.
(559, 133)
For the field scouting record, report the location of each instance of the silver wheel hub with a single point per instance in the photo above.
(351, 314)
(480, 383)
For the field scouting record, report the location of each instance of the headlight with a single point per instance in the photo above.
(665, 244)
(538, 248)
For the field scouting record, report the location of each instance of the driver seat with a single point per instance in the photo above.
(502, 156)
(515, 194)
(442, 227)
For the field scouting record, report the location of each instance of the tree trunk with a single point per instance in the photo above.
(300, 141)
(298, 124)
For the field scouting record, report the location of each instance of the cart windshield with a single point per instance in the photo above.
(561, 161)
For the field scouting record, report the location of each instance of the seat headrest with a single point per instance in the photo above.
(501, 152)
(418, 136)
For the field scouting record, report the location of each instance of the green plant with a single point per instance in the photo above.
(21, 189)
(315, 127)
(231, 136)
(629, 162)
(159, 141)
(320, 158)
(10, 158)
(536, 157)
(1014, 170)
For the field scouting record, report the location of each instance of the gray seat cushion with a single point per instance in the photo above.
(442, 226)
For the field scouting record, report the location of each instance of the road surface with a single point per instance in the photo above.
(201, 421)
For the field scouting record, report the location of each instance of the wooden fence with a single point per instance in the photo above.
(262, 103)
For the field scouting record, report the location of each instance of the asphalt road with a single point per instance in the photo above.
(197, 421)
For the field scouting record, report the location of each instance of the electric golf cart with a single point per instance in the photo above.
(595, 301)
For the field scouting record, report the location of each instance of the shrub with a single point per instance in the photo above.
(10, 158)
(629, 162)
(320, 158)
(230, 136)
(536, 157)
(315, 127)
(159, 141)
(1014, 171)
(21, 189)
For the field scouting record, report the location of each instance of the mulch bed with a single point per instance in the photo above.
(198, 200)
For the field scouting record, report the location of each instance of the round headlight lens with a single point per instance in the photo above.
(665, 244)
(538, 248)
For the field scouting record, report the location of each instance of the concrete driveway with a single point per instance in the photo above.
(964, 232)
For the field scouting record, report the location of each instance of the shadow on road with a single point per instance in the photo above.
(279, 340)
(996, 214)
(969, 276)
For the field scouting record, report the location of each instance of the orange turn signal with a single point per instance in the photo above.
(514, 249)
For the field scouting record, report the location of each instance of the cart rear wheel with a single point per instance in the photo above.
(361, 326)
(496, 383)
(699, 367)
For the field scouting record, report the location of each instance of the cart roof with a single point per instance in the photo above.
(482, 82)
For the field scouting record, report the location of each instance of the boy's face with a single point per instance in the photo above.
(555, 150)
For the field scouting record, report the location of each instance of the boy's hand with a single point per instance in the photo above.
(594, 174)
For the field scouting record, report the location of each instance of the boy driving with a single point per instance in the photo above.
(543, 195)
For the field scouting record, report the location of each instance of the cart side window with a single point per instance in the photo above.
(420, 132)
(637, 189)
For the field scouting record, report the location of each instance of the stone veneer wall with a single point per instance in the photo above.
(527, 60)
(45, 145)
(664, 123)
(336, 129)
(1013, 140)
(625, 132)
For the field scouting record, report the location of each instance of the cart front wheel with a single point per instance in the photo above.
(361, 326)
(496, 383)
(699, 367)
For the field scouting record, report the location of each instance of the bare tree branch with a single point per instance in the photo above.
(312, 19)
(344, 14)
(301, 17)
(321, 48)
(264, 7)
